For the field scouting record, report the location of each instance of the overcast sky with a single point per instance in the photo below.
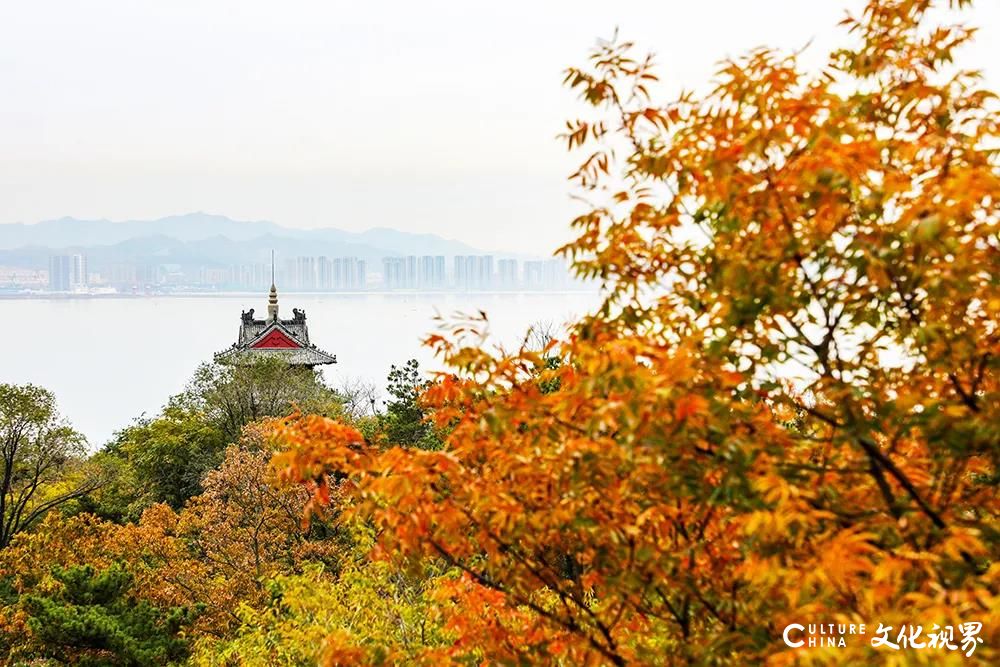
(425, 116)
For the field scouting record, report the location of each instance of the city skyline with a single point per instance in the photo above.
(203, 252)
(469, 273)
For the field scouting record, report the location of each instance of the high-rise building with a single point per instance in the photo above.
(305, 272)
(425, 272)
(78, 276)
(439, 273)
(459, 278)
(287, 274)
(68, 272)
(485, 281)
(549, 274)
(430, 272)
(533, 275)
(407, 272)
(507, 273)
(555, 275)
(392, 270)
(361, 274)
(337, 273)
(252, 276)
(324, 273)
(356, 273)
(60, 273)
(410, 276)
(473, 272)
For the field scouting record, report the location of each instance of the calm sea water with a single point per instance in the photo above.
(109, 360)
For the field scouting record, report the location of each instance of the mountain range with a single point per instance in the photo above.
(207, 240)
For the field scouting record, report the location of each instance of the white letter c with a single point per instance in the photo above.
(784, 635)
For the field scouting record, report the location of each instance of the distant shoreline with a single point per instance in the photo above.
(57, 296)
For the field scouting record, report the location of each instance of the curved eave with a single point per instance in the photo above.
(303, 356)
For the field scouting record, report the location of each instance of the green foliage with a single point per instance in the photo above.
(405, 420)
(41, 459)
(310, 615)
(163, 459)
(160, 460)
(88, 618)
(230, 396)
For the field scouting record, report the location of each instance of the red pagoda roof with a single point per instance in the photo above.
(288, 339)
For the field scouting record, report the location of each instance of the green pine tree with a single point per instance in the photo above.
(91, 619)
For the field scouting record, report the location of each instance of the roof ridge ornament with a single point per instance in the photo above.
(275, 337)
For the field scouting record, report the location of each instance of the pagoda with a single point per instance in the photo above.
(287, 339)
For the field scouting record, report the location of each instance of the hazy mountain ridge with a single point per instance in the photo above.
(205, 239)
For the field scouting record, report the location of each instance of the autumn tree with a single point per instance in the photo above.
(200, 567)
(367, 613)
(164, 458)
(247, 526)
(41, 458)
(224, 544)
(786, 407)
(230, 396)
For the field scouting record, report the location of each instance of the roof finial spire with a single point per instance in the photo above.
(272, 299)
